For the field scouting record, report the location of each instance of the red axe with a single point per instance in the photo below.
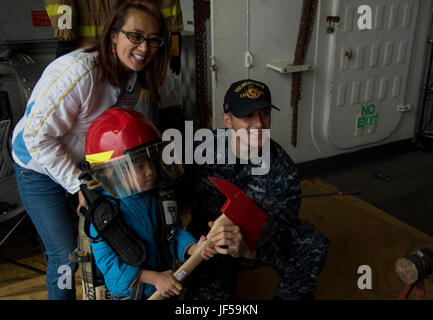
(240, 210)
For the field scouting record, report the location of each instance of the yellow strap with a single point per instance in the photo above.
(171, 11)
(90, 31)
(53, 10)
(99, 157)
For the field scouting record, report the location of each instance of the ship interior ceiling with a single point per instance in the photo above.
(374, 202)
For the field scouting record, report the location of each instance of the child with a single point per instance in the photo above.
(124, 150)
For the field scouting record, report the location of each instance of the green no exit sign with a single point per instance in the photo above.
(366, 117)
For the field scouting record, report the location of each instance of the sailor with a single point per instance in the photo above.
(293, 245)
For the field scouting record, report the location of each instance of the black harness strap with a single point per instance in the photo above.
(105, 217)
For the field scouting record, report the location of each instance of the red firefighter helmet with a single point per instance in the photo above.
(116, 131)
(124, 151)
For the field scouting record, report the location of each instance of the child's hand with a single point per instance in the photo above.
(206, 253)
(166, 284)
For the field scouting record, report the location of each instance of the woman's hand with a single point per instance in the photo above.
(206, 253)
(81, 203)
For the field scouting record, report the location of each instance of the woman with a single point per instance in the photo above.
(74, 90)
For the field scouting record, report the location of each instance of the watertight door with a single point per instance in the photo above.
(368, 75)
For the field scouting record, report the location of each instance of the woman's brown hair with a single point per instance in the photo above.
(110, 68)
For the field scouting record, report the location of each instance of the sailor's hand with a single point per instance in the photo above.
(81, 203)
(166, 284)
(206, 253)
(229, 239)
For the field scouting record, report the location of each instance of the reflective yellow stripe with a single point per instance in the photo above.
(45, 92)
(99, 157)
(90, 31)
(172, 11)
(57, 104)
(53, 10)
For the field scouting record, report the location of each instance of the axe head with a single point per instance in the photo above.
(242, 211)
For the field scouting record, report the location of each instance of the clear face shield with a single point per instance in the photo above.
(139, 170)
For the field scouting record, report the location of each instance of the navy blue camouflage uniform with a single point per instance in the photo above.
(288, 242)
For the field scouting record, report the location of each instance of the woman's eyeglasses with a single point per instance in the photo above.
(136, 38)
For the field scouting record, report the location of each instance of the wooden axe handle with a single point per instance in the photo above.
(189, 265)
